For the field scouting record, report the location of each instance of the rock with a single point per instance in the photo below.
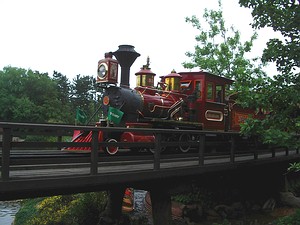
(256, 207)
(212, 213)
(234, 211)
(224, 211)
(289, 199)
(177, 210)
(192, 213)
(239, 209)
(106, 221)
(269, 205)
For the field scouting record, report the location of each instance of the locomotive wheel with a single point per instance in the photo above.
(112, 150)
(184, 138)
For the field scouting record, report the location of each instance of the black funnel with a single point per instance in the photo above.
(126, 55)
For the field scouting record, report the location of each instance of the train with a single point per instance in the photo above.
(183, 100)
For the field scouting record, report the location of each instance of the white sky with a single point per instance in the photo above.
(70, 36)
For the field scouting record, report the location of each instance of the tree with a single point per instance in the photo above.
(10, 91)
(28, 96)
(31, 96)
(283, 16)
(83, 94)
(41, 90)
(63, 87)
(220, 51)
(283, 93)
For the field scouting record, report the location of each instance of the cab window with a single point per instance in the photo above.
(185, 85)
(209, 91)
(219, 94)
(198, 89)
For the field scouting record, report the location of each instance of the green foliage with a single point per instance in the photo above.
(31, 96)
(63, 88)
(27, 211)
(220, 51)
(283, 16)
(253, 127)
(294, 167)
(282, 95)
(37, 138)
(84, 96)
(277, 137)
(27, 96)
(77, 209)
(289, 220)
(184, 198)
(269, 133)
(198, 195)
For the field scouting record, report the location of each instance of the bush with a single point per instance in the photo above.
(198, 195)
(27, 211)
(79, 209)
(289, 220)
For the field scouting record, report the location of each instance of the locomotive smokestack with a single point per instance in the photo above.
(126, 55)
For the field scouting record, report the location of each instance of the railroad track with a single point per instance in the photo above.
(58, 159)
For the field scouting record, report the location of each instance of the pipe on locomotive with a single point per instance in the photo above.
(126, 55)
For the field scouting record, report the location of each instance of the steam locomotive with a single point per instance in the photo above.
(185, 100)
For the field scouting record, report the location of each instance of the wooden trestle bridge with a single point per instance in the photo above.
(40, 168)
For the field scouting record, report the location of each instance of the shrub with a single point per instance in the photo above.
(27, 211)
(289, 220)
(79, 209)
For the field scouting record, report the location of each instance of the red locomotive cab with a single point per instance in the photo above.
(107, 71)
(206, 101)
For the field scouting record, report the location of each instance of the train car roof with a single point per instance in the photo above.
(208, 75)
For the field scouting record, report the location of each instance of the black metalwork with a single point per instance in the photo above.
(126, 55)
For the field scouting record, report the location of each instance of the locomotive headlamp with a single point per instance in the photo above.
(102, 70)
(107, 71)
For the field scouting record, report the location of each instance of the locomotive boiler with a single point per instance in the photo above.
(185, 100)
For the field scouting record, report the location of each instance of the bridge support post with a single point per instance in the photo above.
(6, 147)
(161, 206)
(113, 211)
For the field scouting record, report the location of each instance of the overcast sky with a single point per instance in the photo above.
(70, 36)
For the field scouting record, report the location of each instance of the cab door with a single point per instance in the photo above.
(213, 114)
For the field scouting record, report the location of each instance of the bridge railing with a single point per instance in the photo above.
(28, 154)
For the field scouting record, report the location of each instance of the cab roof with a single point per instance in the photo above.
(205, 75)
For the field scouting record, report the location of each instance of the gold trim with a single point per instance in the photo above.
(221, 116)
(106, 71)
